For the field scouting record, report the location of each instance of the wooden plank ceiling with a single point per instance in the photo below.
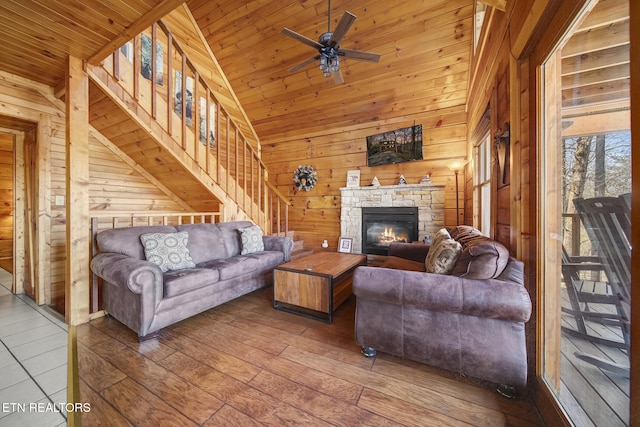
(425, 47)
(38, 35)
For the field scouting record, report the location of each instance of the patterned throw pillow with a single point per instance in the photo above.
(442, 257)
(251, 240)
(167, 250)
(440, 235)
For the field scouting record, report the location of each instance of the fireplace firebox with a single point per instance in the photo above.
(382, 226)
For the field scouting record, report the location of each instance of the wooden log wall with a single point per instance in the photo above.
(315, 215)
(490, 85)
(115, 183)
(6, 202)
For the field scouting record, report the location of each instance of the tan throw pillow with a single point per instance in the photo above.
(251, 240)
(167, 250)
(442, 257)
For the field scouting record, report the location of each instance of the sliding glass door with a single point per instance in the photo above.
(585, 192)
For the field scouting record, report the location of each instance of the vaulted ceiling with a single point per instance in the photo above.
(425, 48)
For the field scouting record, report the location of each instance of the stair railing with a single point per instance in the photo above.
(156, 71)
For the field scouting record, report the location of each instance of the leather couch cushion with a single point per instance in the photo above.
(481, 258)
(466, 234)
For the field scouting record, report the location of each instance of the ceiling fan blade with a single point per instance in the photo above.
(303, 64)
(306, 40)
(345, 23)
(359, 55)
(337, 77)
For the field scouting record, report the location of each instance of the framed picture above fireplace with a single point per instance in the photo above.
(397, 146)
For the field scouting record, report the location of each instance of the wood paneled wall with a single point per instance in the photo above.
(6, 201)
(115, 185)
(315, 215)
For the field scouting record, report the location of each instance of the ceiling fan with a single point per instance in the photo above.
(329, 50)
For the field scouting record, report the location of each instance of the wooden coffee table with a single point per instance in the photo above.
(315, 285)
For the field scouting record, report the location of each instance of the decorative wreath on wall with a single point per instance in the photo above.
(305, 177)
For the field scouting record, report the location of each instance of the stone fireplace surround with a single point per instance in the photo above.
(428, 198)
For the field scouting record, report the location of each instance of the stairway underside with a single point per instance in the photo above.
(114, 123)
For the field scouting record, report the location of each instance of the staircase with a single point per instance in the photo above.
(195, 148)
(299, 250)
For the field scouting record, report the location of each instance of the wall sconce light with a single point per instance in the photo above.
(502, 142)
(455, 167)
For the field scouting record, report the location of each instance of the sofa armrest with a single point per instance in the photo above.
(139, 276)
(413, 251)
(488, 298)
(279, 243)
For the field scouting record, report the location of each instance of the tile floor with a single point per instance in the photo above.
(33, 361)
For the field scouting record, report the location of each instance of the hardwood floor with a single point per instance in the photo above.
(244, 364)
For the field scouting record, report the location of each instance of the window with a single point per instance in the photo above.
(482, 176)
(480, 10)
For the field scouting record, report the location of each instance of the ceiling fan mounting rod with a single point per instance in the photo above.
(329, 17)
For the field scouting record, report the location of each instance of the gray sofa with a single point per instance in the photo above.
(471, 321)
(137, 293)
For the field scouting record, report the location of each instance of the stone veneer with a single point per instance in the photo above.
(429, 199)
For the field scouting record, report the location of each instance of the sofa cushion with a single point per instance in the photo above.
(167, 250)
(206, 242)
(465, 233)
(442, 256)
(231, 236)
(481, 258)
(241, 264)
(126, 240)
(251, 238)
(181, 281)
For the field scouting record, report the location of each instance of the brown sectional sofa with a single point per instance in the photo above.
(471, 321)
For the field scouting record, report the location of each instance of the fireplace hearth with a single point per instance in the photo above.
(382, 226)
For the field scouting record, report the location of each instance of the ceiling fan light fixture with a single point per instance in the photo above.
(335, 64)
(328, 47)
